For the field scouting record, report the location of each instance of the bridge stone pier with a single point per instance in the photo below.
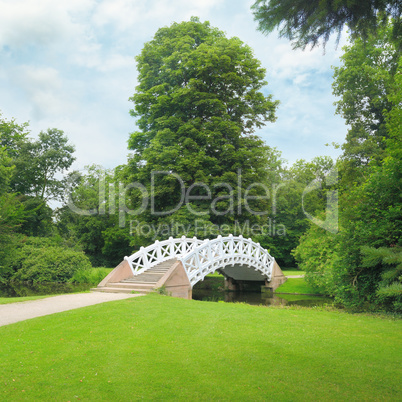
(176, 265)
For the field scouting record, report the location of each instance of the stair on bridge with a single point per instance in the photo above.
(142, 283)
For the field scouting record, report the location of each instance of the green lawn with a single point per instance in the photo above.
(161, 348)
(288, 272)
(296, 285)
(215, 275)
(8, 300)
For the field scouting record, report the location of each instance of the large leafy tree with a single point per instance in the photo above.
(36, 172)
(39, 164)
(200, 98)
(364, 82)
(309, 22)
(11, 210)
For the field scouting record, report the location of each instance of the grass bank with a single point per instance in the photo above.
(160, 348)
(8, 300)
(296, 285)
(288, 272)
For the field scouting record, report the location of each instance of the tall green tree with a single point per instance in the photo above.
(309, 22)
(37, 169)
(11, 210)
(39, 164)
(199, 101)
(364, 83)
(12, 136)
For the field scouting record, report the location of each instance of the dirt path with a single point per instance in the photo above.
(14, 312)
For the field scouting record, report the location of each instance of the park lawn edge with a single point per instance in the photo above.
(161, 348)
(11, 300)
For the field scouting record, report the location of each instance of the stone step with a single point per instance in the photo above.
(142, 283)
(144, 278)
(159, 267)
(128, 285)
(135, 280)
(107, 289)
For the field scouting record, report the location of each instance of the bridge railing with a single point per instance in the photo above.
(160, 251)
(223, 251)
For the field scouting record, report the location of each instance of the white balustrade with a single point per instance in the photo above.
(201, 257)
(148, 257)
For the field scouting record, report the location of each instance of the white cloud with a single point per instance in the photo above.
(44, 89)
(70, 64)
(39, 22)
(126, 15)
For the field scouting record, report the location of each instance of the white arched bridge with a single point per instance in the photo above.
(178, 264)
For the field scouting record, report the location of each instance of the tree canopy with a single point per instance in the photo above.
(363, 83)
(199, 100)
(309, 22)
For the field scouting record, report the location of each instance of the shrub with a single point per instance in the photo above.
(92, 276)
(50, 264)
(317, 255)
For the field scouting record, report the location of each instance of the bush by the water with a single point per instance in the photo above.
(48, 264)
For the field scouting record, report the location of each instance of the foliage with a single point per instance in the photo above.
(364, 83)
(11, 210)
(391, 296)
(38, 217)
(50, 264)
(91, 276)
(371, 216)
(162, 291)
(317, 255)
(290, 204)
(11, 217)
(12, 136)
(394, 116)
(39, 163)
(92, 220)
(370, 220)
(6, 170)
(197, 104)
(389, 262)
(321, 352)
(29, 177)
(307, 22)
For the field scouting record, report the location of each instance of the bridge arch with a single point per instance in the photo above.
(201, 257)
(178, 264)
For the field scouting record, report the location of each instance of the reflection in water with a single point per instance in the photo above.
(217, 294)
(212, 289)
(257, 298)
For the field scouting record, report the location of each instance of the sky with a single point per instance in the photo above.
(71, 65)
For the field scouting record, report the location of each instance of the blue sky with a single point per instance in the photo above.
(70, 65)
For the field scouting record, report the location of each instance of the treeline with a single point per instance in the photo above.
(361, 265)
(32, 248)
(95, 225)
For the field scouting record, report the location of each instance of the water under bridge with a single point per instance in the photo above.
(178, 264)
